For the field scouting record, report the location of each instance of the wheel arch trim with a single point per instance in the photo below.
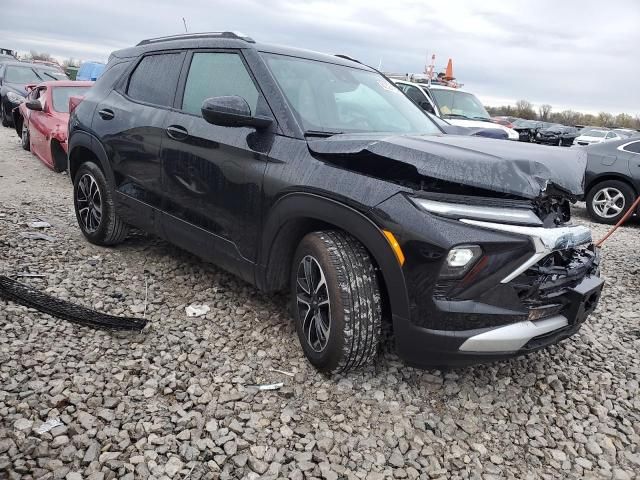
(310, 206)
(91, 143)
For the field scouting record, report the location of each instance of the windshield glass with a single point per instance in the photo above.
(329, 98)
(61, 97)
(594, 133)
(454, 103)
(49, 74)
(22, 75)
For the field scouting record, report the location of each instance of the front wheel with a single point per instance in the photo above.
(25, 139)
(95, 208)
(336, 301)
(608, 201)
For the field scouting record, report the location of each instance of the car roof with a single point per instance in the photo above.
(230, 40)
(44, 66)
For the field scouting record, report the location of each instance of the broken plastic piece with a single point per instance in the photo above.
(38, 225)
(288, 374)
(37, 236)
(48, 425)
(197, 310)
(268, 386)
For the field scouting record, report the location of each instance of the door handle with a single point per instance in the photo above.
(177, 132)
(106, 114)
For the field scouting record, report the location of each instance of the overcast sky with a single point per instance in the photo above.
(583, 55)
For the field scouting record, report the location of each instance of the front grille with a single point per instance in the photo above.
(542, 286)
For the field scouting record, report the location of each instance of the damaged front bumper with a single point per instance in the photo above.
(534, 287)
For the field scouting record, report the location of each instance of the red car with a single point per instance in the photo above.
(42, 120)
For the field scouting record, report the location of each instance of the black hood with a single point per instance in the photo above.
(513, 168)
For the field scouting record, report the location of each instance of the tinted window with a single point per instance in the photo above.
(155, 79)
(215, 75)
(633, 147)
(61, 97)
(414, 94)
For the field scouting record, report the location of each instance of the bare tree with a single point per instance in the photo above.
(33, 55)
(524, 109)
(544, 112)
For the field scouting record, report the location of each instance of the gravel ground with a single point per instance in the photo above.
(175, 401)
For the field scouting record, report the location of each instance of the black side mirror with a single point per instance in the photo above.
(427, 107)
(231, 111)
(34, 105)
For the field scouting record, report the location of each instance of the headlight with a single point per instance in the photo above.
(496, 214)
(14, 97)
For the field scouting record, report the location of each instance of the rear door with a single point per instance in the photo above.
(130, 120)
(37, 122)
(212, 174)
(632, 152)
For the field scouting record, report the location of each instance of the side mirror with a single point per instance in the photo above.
(231, 111)
(427, 107)
(34, 105)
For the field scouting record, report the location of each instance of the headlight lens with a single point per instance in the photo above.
(14, 97)
(456, 210)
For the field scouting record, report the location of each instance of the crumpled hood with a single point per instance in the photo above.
(513, 168)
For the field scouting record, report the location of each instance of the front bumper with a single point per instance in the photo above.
(536, 287)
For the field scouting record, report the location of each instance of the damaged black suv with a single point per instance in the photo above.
(314, 173)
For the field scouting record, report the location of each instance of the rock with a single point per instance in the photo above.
(23, 424)
(173, 466)
(257, 465)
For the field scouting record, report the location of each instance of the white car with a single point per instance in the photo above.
(456, 106)
(596, 135)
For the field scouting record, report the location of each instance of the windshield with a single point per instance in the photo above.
(22, 75)
(454, 103)
(330, 99)
(61, 97)
(50, 74)
(594, 133)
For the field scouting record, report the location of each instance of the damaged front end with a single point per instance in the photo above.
(530, 279)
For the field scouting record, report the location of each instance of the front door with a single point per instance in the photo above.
(130, 120)
(212, 174)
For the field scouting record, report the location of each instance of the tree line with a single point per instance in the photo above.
(545, 113)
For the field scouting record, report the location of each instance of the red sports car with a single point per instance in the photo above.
(42, 120)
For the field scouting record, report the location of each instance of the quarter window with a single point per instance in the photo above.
(217, 74)
(155, 79)
(632, 147)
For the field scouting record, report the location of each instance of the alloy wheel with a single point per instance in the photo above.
(89, 203)
(313, 303)
(608, 202)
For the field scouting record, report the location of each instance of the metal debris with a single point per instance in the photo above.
(48, 425)
(268, 386)
(37, 236)
(195, 310)
(288, 374)
(38, 225)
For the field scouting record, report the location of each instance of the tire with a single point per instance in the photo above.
(3, 114)
(25, 138)
(348, 307)
(100, 223)
(608, 201)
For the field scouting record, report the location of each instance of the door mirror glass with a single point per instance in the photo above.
(231, 111)
(34, 105)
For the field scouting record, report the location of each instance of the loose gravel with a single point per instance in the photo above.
(176, 400)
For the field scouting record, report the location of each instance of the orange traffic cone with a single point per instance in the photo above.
(448, 75)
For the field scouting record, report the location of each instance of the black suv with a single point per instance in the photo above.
(314, 173)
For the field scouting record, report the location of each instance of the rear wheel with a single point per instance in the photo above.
(608, 201)
(336, 298)
(95, 209)
(25, 139)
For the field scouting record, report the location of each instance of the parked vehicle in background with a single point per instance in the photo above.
(90, 71)
(626, 132)
(49, 63)
(41, 121)
(14, 78)
(612, 178)
(457, 108)
(527, 129)
(505, 121)
(314, 173)
(555, 135)
(596, 135)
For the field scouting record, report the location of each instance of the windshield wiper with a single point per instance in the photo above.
(320, 133)
(50, 76)
(456, 115)
(483, 119)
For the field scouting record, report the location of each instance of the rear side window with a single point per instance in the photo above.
(632, 147)
(155, 79)
(217, 74)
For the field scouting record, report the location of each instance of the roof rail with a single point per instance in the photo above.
(189, 36)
